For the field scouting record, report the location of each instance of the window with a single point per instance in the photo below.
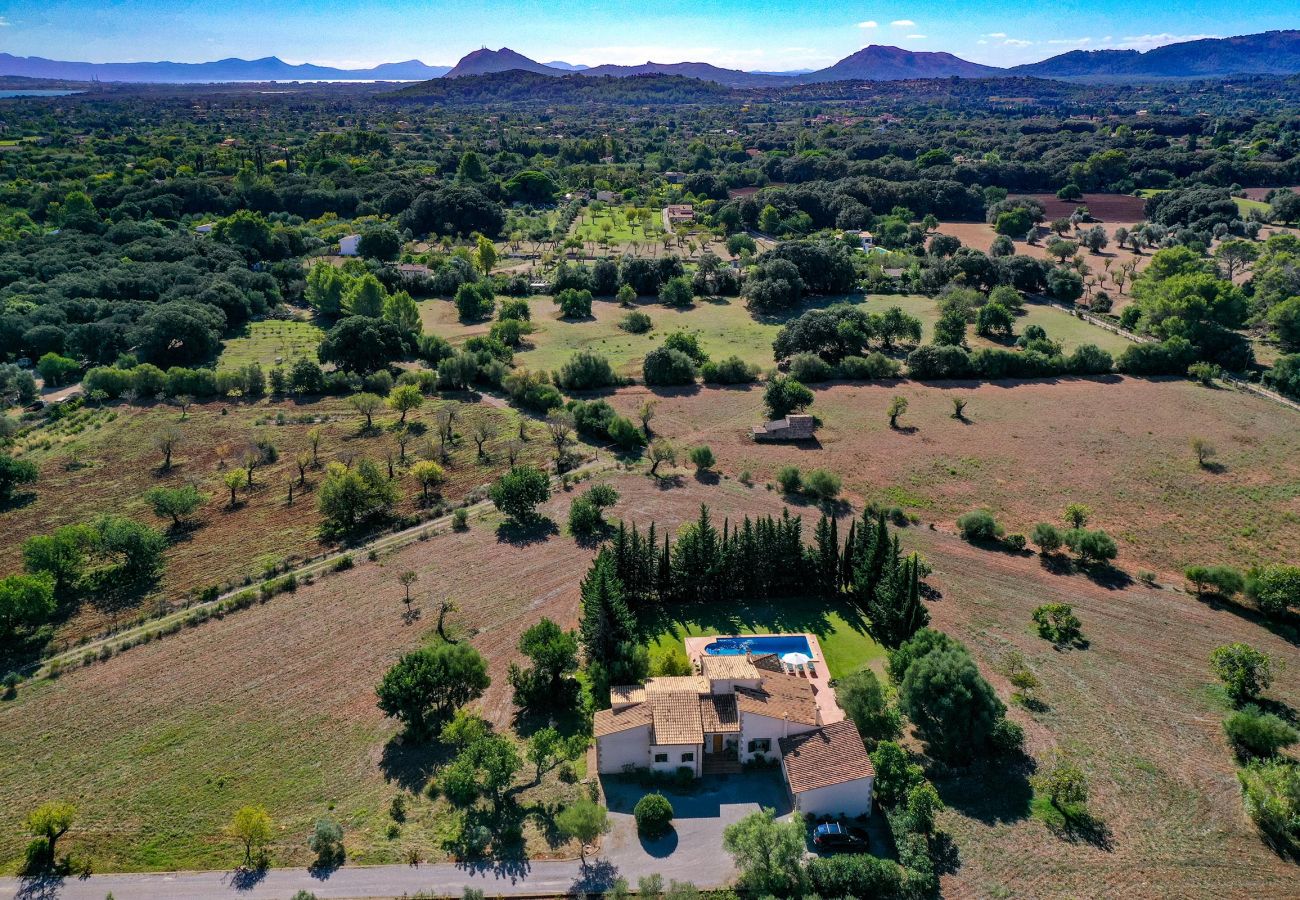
(760, 745)
(661, 757)
(688, 757)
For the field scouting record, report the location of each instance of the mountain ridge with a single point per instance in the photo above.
(1265, 53)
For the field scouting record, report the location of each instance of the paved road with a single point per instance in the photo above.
(693, 852)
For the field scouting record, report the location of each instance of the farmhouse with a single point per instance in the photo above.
(350, 245)
(791, 428)
(739, 709)
(678, 214)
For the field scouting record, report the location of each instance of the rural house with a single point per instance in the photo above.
(791, 428)
(739, 709)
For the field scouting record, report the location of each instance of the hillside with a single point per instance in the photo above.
(268, 68)
(562, 87)
(487, 62)
(1270, 53)
(878, 63)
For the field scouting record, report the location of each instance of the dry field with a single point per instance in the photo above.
(1120, 445)
(1112, 209)
(1138, 710)
(159, 745)
(104, 460)
(274, 705)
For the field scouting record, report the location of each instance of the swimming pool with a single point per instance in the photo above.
(739, 645)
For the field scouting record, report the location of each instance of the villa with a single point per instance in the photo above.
(774, 705)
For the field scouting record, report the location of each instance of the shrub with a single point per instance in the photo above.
(574, 303)
(584, 517)
(854, 875)
(1014, 542)
(676, 291)
(953, 708)
(863, 699)
(586, 370)
(1007, 738)
(790, 480)
(1091, 546)
(666, 366)
(702, 458)
(866, 368)
(636, 322)
(809, 368)
(1271, 791)
(1244, 671)
(1047, 537)
(623, 432)
(654, 815)
(1253, 732)
(1058, 623)
(1275, 588)
(732, 370)
(784, 395)
(460, 519)
(822, 484)
(979, 525)
(517, 493)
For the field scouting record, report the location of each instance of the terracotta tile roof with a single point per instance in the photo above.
(608, 721)
(718, 713)
(767, 662)
(730, 667)
(676, 718)
(780, 697)
(621, 694)
(677, 684)
(831, 755)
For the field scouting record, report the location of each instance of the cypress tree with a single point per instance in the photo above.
(606, 621)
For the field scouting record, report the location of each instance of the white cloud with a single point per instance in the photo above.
(869, 24)
(1016, 42)
(916, 37)
(4, 22)
(903, 23)
(981, 41)
(1151, 41)
(1071, 42)
(996, 34)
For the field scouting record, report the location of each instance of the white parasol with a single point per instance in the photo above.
(796, 659)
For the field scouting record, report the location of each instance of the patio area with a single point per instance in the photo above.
(817, 673)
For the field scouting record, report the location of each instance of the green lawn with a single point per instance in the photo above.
(840, 629)
(1059, 325)
(265, 342)
(613, 224)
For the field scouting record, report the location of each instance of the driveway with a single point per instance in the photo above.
(692, 851)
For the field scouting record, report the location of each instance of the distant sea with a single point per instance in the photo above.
(6, 95)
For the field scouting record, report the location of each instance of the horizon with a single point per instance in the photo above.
(769, 37)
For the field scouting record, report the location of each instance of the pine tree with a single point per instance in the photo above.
(607, 621)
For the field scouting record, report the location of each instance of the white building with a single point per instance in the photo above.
(349, 246)
(739, 709)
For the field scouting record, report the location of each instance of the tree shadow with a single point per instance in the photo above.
(45, 886)
(595, 878)
(1082, 827)
(668, 482)
(1107, 576)
(597, 536)
(707, 476)
(322, 869)
(1056, 563)
(17, 501)
(524, 534)
(245, 878)
(945, 853)
(661, 847)
(1285, 630)
(1214, 468)
(996, 793)
(411, 764)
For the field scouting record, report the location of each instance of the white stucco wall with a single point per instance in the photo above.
(755, 727)
(623, 748)
(850, 798)
(674, 762)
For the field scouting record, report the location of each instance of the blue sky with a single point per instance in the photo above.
(748, 34)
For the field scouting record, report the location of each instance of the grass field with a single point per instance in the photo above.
(841, 632)
(1026, 449)
(103, 460)
(614, 225)
(1059, 325)
(274, 705)
(724, 326)
(267, 341)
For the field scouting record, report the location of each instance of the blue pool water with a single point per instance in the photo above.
(779, 644)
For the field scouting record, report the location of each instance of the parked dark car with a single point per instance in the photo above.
(837, 836)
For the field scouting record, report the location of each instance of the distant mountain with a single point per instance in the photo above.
(1270, 53)
(269, 68)
(702, 71)
(568, 67)
(877, 63)
(487, 62)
